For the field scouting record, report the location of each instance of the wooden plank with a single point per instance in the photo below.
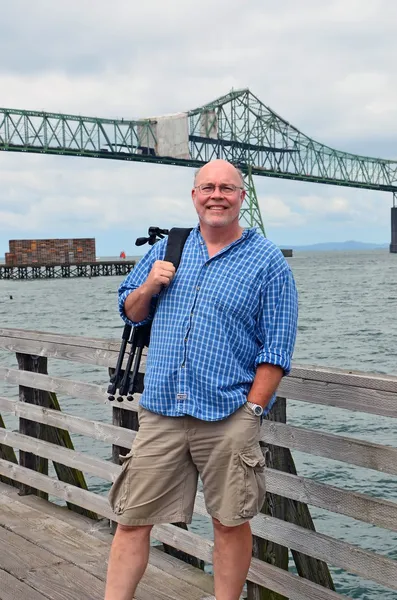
(59, 338)
(104, 355)
(70, 458)
(18, 555)
(361, 399)
(377, 511)
(285, 583)
(13, 589)
(60, 539)
(337, 447)
(181, 570)
(66, 582)
(13, 507)
(13, 511)
(158, 585)
(81, 354)
(161, 585)
(70, 493)
(93, 429)
(370, 381)
(76, 389)
(289, 585)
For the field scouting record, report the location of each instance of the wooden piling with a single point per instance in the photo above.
(61, 437)
(288, 510)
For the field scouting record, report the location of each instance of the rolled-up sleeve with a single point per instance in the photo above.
(277, 321)
(137, 277)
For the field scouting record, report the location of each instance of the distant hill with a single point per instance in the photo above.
(349, 245)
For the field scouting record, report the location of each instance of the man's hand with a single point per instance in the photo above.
(161, 274)
(137, 303)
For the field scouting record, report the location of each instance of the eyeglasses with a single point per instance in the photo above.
(225, 189)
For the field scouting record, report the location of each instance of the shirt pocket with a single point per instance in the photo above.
(236, 296)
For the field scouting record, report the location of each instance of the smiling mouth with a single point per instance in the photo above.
(217, 208)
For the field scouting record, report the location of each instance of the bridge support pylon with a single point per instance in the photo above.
(393, 244)
(250, 212)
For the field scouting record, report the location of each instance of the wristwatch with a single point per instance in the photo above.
(256, 408)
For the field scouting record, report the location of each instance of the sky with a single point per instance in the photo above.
(326, 67)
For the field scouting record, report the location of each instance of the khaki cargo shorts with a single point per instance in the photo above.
(158, 480)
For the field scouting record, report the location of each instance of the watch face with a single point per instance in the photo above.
(258, 410)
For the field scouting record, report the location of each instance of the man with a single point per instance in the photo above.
(222, 338)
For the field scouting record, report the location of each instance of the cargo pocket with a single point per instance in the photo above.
(253, 488)
(119, 490)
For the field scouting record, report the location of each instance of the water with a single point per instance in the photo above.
(348, 309)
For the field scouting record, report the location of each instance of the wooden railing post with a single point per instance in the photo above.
(35, 364)
(289, 510)
(276, 507)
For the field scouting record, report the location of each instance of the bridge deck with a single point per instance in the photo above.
(47, 552)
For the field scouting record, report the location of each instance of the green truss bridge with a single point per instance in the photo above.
(237, 127)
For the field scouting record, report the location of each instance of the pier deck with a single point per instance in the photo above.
(67, 271)
(48, 552)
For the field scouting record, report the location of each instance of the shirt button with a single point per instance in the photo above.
(197, 288)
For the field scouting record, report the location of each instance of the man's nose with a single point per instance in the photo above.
(217, 192)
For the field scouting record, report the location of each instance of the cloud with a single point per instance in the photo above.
(326, 68)
(277, 213)
(337, 207)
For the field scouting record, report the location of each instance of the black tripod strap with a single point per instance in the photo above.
(175, 243)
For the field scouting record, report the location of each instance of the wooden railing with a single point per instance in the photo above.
(287, 527)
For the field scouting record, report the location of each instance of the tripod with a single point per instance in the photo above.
(126, 381)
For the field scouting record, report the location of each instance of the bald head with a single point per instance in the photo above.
(219, 167)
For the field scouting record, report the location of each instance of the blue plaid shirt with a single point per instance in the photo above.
(219, 318)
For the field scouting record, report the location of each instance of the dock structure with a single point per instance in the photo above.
(67, 271)
(50, 551)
